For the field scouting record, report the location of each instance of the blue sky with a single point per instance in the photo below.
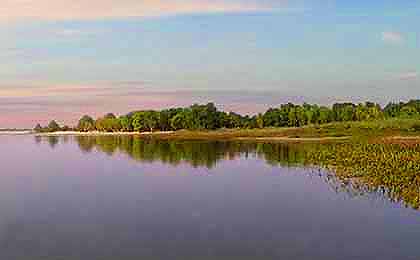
(245, 55)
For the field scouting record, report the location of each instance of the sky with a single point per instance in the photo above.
(61, 59)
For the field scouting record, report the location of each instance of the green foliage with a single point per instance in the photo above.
(179, 121)
(145, 120)
(393, 167)
(260, 121)
(126, 123)
(208, 117)
(110, 116)
(53, 126)
(164, 120)
(86, 123)
(108, 123)
(152, 119)
(409, 109)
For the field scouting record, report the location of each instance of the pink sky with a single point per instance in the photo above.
(105, 9)
(66, 104)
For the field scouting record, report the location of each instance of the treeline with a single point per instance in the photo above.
(208, 117)
(53, 126)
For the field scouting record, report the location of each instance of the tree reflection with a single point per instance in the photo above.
(209, 153)
(53, 141)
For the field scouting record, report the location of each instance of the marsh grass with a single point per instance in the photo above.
(393, 167)
(357, 130)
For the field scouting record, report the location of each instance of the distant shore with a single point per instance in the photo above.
(260, 135)
(98, 133)
(398, 131)
(26, 132)
(223, 135)
(214, 135)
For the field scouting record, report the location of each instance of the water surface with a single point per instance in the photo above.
(126, 198)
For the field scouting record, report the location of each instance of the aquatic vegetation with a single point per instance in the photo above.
(392, 167)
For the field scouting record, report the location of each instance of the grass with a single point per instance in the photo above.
(382, 154)
(393, 167)
(358, 130)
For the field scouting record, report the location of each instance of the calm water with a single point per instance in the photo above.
(123, 198)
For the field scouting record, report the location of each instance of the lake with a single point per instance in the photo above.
(99, 198)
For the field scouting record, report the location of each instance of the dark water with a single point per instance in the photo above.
(124, 198)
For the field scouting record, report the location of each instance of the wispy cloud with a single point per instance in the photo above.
(393, 37)
(103, 9)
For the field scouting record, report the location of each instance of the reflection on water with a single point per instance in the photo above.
(196, 153)
(209, 153)
(106, 198)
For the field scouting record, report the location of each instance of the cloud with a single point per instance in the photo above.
(412, 75)
(393, 37)
(12, 10)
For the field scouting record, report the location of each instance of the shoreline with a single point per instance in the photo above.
(16, 132)
(295, 139)
(173, 135)
(97, 133)
(290, 135)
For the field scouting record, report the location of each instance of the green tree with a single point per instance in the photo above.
(408, 111)
(85, 124)
(53, 126)
(138, 121)
(126, 123)
(108, 123)
(260, 121)
(151, 120)
(113, 124)
(110, 116)
(393, 110)
(38, 128)
(178, 122)
(145, 120)
(325, 115)
(164, 120)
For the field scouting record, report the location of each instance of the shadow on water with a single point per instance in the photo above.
(208, 153)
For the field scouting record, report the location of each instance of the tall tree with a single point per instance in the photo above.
(126, 123)
(53, 126)
(86, 123)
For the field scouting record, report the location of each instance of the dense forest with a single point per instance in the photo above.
(208, 117)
